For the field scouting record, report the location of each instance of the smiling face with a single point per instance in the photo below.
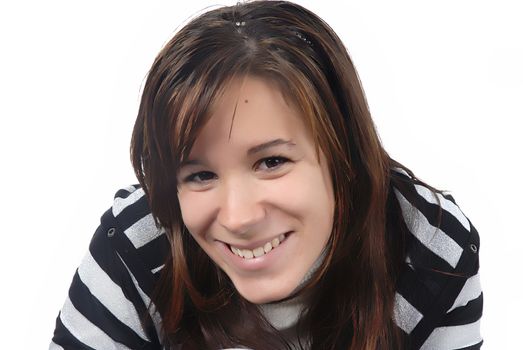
(254, 196)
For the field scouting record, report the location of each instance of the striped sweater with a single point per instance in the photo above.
(114, 282)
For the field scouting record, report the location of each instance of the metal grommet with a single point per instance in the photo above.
(111, 231)
(474, 248)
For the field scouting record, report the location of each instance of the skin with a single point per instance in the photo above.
(230, 196)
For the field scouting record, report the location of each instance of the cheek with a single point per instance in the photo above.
(306, 194)
(195, 212)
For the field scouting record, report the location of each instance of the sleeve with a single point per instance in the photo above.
(103, 308)
(459, 328)
(441, 301)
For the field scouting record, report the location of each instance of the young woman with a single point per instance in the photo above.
(268, 215)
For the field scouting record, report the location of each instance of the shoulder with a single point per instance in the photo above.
(141, 246)
(438, 294)
(133, 215)
(110, 295)
(129, 232)
(442, 237)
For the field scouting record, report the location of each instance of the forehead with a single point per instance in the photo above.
(251, 109)
(257, 91)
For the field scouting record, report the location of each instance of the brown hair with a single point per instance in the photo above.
(354, 288)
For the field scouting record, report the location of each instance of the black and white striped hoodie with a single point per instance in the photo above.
(113, 284)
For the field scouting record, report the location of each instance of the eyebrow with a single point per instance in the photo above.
(253, 150)
(269, 144)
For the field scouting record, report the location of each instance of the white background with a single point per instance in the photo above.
(444, 82)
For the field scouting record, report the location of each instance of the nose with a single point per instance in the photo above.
(240, 208)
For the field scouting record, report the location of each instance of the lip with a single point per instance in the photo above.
(263, 262)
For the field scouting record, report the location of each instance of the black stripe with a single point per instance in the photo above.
(449, 224)
(155, 252)
(424, 258)
(414, 291)
(473, 347)
(143, 276)
(132, 293)
(100, 316)
(121, 244)
(124, 193)
(449, 197)
(157, 275)
(466, 314)
(65, 339)
(102, 251)
(133, 213)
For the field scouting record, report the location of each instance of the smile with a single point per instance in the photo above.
(259, 251)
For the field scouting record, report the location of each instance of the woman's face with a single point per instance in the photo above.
(254, 196)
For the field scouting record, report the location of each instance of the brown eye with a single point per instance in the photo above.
(202, 176)
(273, 162)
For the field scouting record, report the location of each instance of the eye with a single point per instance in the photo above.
(273, 162)
(200, 177)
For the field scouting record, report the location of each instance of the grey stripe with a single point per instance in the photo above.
(470, 291)
(446, 204)
(156, 269)
(109, 294)
(54, 346)
(454, 337)
(432, 237)
(406, 316)
(143, 231)
(120, 204)
(85, 331)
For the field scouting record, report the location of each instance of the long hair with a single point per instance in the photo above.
(353, 290)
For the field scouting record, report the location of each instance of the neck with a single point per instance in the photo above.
(284, 314)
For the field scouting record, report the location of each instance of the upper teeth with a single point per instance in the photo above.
(256, 252)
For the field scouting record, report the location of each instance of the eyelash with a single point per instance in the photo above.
(281, 159)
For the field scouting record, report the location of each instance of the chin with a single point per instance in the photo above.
(257, 294)
(262, 299)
